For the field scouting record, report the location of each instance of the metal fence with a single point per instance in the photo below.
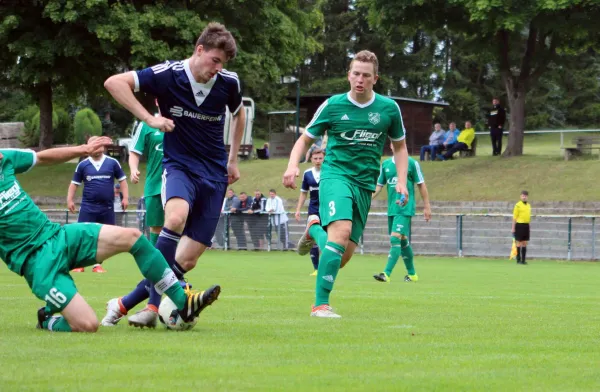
(568, 237)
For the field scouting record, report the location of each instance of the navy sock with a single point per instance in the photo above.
(139, 294)
(167, 245)
(314, 257)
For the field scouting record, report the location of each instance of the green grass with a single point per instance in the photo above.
(541, 170)
(468, 324)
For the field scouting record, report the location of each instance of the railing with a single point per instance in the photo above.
(542, 131)
(567, 237)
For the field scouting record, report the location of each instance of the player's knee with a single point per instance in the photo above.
(175, 221)
(130, 236)
(86, 325)
(188, 264)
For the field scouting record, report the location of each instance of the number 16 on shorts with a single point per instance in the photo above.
(56, 298)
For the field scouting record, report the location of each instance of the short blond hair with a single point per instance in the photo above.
(365, 56)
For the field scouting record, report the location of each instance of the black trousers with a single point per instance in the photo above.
(496, 135)
(455, 147)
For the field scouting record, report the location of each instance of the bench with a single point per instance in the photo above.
(583, 145)
(463, 154)
(245, 150)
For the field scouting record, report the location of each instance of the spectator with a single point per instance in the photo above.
(496, 118)
(263, 153)
(279, 219)
(450, 137)
(463, 142)
(435, 141)
(118, 205)
(230, 198)
(257, 220)
(239, 209)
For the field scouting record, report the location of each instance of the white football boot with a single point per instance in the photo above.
(324, 311)
(144, 318)
(113, 313)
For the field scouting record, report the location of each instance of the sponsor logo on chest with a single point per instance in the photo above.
(361, 136)
(177, 111)
(9, 195)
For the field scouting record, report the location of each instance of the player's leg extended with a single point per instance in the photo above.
(113, 240)
(360, 211)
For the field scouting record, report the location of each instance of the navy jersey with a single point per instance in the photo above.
(310, 183)
(198, 111)
(98, 178)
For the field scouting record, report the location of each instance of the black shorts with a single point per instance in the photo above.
(522, 232)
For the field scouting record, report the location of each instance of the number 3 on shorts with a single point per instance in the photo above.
(331, 208)
(56, 298)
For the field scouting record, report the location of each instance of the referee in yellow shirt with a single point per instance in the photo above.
(520, 227)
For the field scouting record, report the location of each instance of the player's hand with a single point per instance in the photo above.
(96, 144)
(289, 177)
(297, 215)
(124, 204)
(135, 176)
(71, 207)
(233, 173)
(161, 123)
(401, 189)
(427, 213)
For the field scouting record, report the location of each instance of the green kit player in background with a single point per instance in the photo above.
(43, 252)
(358, 124)
(400, 217)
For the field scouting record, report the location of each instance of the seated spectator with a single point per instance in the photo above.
(263, 153)
(463, 142)
(451, 136)
(435, 141)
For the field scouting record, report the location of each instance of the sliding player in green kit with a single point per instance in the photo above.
(399, 217)
(358, 124)
(43, 252)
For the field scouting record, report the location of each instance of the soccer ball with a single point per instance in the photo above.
(168, 315)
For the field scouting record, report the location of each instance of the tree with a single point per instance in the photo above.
(525, 37)
(86, 124)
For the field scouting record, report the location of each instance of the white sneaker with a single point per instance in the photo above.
(306, 242)
(113, 313)
(324, 311)
(144, 318)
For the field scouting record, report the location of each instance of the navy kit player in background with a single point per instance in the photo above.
(310, 186)
(97, 173)
(193, 96)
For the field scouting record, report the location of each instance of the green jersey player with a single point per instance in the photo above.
(43, 252)
(358, 124)
(147, 141)
(400, 217)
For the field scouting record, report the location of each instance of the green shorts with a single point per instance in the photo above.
(47, 270)
(155, 214)
(339, 200)
(399, 224)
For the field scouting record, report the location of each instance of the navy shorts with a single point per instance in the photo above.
(205, 198)
(105, 217)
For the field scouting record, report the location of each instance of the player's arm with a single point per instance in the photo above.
(238, 124)
(136, 150)
(425, 196)
(381, 181)
(71, 197)
(134, 166)
(377, 190)
(301, 201)
(125, 192)
(53, 156)
(121, 88)
(315, 128)
(401, 159)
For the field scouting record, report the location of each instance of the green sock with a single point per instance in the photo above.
(153, 238)
(329, 265)
(393, 256)
(57, 324)
(319, 235)
(154, 267)
(407, 256)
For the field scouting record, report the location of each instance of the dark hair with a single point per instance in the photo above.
(317, 151)
(242, 193)
(525, 193)
(272, 190)
(216, 36)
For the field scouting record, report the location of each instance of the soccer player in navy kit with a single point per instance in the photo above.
(97, 173)
(193, 96)
(310, 186)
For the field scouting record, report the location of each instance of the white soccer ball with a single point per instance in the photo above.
(168, 315)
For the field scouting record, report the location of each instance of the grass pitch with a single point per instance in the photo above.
(468, 324)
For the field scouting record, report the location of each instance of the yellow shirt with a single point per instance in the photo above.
(522, 212)
(466, 136)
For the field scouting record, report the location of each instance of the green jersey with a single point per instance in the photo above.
(388, 175)
(356, 134)
(23, 227)
(149, 142)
